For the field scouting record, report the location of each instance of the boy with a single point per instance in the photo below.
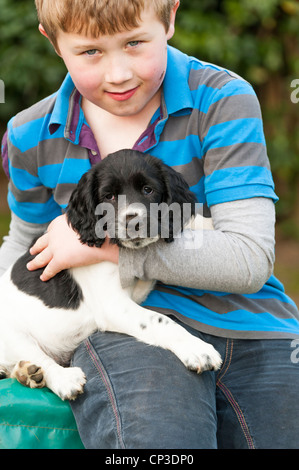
(127, 88)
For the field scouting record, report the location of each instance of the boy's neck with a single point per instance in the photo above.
(114, 132)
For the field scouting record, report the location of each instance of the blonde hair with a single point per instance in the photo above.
(97, 17)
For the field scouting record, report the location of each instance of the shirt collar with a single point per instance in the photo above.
(61, 107)
(177, 94)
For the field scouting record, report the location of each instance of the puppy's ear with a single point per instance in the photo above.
(178, 192)
(81, 210)
(177, 188)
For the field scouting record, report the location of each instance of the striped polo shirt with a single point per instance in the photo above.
(209, 128)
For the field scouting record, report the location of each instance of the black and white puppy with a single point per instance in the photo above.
(41, 324)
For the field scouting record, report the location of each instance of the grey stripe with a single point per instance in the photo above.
(23, 160)
(247, 154)
(192, 171)
(221, 332)
(51, 151)
(40, 194)
(210, 77)
(230, 108)
(57, 150)
(233, 302)
(180, 127)
(48, 152)
(63, 193)
(37, 111)
(199, 123)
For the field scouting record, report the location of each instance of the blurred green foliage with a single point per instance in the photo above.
(29, 66)
(258, 39)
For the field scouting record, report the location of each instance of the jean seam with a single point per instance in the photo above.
(227, 360)
(229, 396)
(105, 379)
(240, 416)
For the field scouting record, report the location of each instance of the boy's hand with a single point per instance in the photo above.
(60, 248)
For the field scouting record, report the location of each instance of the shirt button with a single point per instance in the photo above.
(94, 152)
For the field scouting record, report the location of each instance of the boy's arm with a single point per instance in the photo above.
(18, 240)
(60, 248)
(236, 257)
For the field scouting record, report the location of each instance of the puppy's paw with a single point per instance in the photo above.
(3, 373)
(29, 374)
(200, 356)
(66, 382)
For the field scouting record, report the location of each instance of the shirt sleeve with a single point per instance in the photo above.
(19, 239)
(28, 198)
(4, 154)
(236, 164)
(236, 257)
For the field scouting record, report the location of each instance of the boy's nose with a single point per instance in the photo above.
(118, 71)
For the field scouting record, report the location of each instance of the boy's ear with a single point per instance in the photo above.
(42, 30)
(171, 29)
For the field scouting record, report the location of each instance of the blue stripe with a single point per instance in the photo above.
(239, 192)
(238, 320)
(237, 87)
(236, 132)
(49, 174)
(22, 179)
(273, 289)
(69, 172)
(199, 190)
(73, 169)
(238, 176)
(30, 134)
(229, 184)
(36, 213)
(178, 152)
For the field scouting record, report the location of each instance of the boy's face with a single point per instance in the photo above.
(120, 73)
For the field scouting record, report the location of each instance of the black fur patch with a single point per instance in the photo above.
(62, 291)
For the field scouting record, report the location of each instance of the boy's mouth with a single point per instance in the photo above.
(122, 96)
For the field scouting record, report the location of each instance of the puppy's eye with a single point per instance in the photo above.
(110, 197)
(147, 190)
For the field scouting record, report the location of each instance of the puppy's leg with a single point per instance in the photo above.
(141, 290)
(159, 330)
(66, 382)
(37, 370)
(28, 374)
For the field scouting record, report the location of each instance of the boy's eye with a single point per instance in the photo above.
(133, 43)
(91, 52)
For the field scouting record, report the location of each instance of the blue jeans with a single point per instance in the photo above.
(142, 397)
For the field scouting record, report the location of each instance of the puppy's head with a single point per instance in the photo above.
(133, 198)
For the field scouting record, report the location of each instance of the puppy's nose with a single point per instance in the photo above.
(130, 217)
